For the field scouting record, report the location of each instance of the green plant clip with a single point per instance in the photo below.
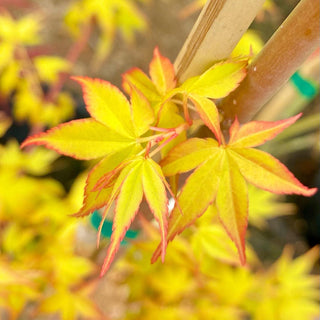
(106, 230)
(304, 86)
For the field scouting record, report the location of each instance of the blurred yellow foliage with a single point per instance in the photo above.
(110, 16)
(24, 32)
(201, 287)
(38, 260)
(24, 77)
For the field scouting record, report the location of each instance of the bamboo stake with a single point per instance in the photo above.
(288, 48)
(290, 96)
(218, 29)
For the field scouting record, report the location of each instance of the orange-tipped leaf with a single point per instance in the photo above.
(127, 205)
(232, 204)
(208, 113)
(81, 139)
(162, 72)
(141, 112)
(156, 196)
(196, 195)
(188, 155)
(266, 172)
(107, 104)
(95, 199)
(255, 133)
(218, 81)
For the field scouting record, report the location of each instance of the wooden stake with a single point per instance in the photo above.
(218, 29)
(288, 48)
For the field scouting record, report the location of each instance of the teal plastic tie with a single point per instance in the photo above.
(106, 229)
(304, 86)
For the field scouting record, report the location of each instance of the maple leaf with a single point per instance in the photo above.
(95, 199)
(287, 290)
(217, 82)
(141, 177)
(162, 72)
(110, 129)
(35, 162)
(265, 205)
(162, 79)
(155, 88)
(212, 240)
(49, 67)
(114, 132)
(30, 107)
(221, 173)
(109, 17)
(70, 305)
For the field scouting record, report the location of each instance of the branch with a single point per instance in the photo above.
(288, 48)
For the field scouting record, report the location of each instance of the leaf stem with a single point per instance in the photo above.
(147, 139)
(172, 134)
(186, 110)
(155, 151)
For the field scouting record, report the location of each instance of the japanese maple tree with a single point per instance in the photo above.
(144, 140)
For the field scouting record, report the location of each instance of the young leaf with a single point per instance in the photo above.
(265, 205)
(162, 80)
(213, 241)
(110, 17)
(138, 79)
(208, 113)
(49, 67)
(118, 177)
(218, 81)
(162, 72)
(142, 113)
(69, 305)
(81, 139)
